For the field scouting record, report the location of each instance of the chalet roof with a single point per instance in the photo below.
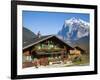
(36, 40)
(77, 47)
(33, 41)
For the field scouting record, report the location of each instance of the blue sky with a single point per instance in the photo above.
(48, 22)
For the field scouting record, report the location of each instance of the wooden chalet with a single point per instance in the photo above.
(44, 50)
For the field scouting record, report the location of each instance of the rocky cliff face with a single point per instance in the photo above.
(74, 29)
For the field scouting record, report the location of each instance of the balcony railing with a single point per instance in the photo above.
(49, 50)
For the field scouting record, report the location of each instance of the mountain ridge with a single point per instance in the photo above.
(28, 34)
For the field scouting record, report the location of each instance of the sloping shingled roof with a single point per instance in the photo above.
(77, 47)
(34, 40)
(39, 39)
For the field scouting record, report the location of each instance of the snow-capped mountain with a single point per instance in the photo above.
(74, 29)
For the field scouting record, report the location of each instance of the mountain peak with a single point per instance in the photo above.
(74, 29)
(74, 20)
